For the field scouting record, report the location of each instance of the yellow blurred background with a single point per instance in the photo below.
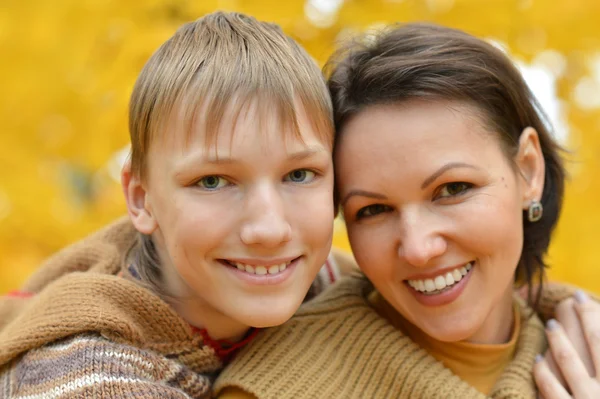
(68, 67)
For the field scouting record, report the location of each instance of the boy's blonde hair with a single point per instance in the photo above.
(220, 58)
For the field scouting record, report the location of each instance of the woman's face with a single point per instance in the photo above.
(434, 212)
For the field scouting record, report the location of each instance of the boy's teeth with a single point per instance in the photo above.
(261, 270)
(442, 281)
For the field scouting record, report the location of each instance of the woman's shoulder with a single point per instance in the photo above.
(86, 365)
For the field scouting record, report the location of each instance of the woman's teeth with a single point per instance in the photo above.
(261, 270)
(442, 281)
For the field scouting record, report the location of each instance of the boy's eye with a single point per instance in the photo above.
(212, 182)
(453, 189)
(300, 176)
(372, 210)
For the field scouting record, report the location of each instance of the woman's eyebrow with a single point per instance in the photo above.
(443, 169)
(362, 193)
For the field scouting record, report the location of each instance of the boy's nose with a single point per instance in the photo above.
(266, 223)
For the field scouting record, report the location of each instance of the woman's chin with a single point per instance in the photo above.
(445, 331)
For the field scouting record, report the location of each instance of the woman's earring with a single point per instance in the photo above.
(535, 211)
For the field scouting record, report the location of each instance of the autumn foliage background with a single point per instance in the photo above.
(68, 67)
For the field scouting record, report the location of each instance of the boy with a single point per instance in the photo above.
(229, 191)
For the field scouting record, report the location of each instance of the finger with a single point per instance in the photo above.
(546, 382)
(569, 363)
(589, 314)
(554, 368)
(568, 317)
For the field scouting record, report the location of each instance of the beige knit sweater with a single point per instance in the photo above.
(337, 346)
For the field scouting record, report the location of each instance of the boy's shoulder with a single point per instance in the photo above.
(103, 251)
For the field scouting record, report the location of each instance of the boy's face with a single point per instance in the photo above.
(242, 227)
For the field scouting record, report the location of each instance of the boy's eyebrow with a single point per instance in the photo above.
(308, 152)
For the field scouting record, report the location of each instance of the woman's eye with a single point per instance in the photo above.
(371, 210)
(453, 189)
(212, 182)
(300, 176)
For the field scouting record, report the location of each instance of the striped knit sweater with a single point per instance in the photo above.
(338, 346)
(78, 330)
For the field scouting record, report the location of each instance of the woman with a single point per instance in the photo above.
(450, 184)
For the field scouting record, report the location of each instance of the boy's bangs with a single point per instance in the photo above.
(225, 104)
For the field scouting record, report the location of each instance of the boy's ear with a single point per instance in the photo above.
(138, 204)
(530, 161)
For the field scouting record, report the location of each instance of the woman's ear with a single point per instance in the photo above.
(138, 201)
(531, 165)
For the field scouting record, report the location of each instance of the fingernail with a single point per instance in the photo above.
(580, 296)
(539, 358)
(551, 325)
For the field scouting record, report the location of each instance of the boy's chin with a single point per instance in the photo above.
(269, 316)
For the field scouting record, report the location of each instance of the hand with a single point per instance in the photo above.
(569, 369)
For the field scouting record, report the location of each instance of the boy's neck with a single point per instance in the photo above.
(202, 316)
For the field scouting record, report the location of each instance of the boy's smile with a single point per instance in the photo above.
(261, 267)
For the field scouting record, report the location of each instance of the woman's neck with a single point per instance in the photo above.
(498, 326)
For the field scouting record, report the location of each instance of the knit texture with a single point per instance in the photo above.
(337, 346)
(90, 366)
